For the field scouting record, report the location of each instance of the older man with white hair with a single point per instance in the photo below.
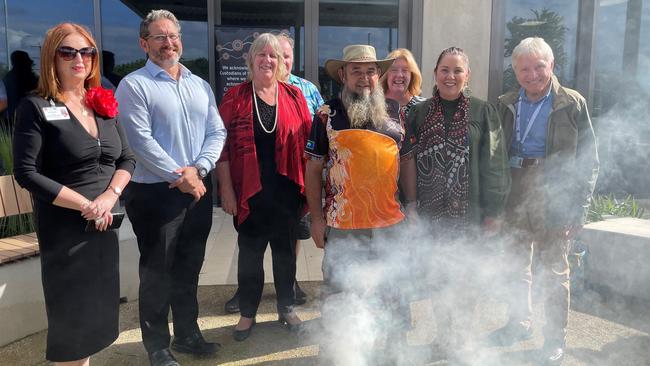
(554, 166)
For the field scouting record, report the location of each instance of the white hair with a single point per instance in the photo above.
(532, 46)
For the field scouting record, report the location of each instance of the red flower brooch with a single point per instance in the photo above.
(102, 101)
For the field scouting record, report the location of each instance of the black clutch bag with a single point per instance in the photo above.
(118, 217)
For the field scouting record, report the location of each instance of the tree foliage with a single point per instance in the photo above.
(199, 66)
(543, 23)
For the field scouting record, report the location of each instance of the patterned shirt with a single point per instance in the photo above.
(309, 90)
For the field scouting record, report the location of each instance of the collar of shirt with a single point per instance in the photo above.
(294, 80)
(524, 98)
(156, 70)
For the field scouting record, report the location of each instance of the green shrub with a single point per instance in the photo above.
(6, 158)
(609, 205)
(16, 225)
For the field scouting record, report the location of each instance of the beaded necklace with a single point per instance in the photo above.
(259, 118)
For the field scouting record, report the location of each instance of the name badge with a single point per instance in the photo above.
(56, 113)
(516, 161)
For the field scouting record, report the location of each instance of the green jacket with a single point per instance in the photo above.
(571, 164)
(489, 172)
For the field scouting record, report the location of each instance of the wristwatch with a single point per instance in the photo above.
(203, 171)
(116, 190)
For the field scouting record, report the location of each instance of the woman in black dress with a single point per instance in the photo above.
(71, 154)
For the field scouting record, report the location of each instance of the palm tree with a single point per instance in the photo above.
(544, 23)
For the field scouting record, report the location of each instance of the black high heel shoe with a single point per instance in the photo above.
(241, 335)
(294, 328)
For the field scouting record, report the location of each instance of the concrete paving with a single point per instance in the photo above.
(602, 331)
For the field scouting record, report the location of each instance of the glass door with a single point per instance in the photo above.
(345, 22)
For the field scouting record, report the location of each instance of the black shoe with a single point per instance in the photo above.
(195, 344)
(294, 328)
(510, 334)
(232, 305)
(162, 357)
(241, 335)
(552, 353)
(300, 295)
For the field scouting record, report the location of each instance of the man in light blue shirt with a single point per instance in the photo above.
(171, 119)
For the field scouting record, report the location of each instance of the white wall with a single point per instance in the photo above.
(462, 23)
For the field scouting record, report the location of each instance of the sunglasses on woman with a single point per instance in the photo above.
(69, 53)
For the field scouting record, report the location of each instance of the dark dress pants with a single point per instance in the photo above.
(172, 231)
(250, 272)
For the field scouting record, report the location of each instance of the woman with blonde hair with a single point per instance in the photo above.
(403, 82)
(71, 154)
(261, 178)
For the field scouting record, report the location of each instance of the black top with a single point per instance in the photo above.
(51, 154)
(449, 108)
(277, 206)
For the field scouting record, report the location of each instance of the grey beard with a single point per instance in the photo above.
(365, 110)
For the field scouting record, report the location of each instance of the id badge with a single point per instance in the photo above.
(56, 113)
(516, 161)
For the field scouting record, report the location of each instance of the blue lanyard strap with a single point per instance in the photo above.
(531, 121)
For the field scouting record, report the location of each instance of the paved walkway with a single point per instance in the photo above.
(601, 332)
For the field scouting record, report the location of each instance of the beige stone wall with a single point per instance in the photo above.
(461, 23)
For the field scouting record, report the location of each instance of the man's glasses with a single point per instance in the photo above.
(160, 38)
(69, 53)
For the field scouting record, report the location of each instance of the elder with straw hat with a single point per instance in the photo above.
(359, 141)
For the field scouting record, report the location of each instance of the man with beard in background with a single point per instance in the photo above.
(554, 166)
(171, 117)
(358, 143)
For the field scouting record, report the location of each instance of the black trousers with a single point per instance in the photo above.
(171, 230)
(250, 269)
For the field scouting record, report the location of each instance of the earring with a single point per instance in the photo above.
(467, 92)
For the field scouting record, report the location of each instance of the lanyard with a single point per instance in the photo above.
(531, 121)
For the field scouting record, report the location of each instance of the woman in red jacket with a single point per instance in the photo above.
(261, 178)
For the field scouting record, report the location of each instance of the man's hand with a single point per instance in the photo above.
(491, 226)
(411, 210)
(190, 182)
(318, 231)
(570, 231)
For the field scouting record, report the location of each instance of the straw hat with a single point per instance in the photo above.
(355, 53)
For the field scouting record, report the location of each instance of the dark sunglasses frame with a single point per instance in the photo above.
(69, 53)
